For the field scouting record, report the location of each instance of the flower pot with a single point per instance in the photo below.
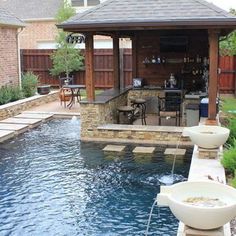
(43, 89)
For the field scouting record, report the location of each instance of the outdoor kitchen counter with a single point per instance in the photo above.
(111, 94)
(107, 96)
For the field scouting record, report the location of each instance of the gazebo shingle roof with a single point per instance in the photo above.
(7, 18)
(121, 12)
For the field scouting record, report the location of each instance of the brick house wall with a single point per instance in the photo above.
(8, 56)
(35, 32)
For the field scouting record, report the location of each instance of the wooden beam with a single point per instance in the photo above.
(134, 56)
(116, 62)
(122, 79)
(213, 72)
(89, 67)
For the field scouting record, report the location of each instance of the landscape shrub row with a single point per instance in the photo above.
(229, 156)
(11, 93)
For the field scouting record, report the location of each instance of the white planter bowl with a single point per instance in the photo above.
(199, 217)
(207, 136)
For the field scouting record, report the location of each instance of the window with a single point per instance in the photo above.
(84, 3)
(93, 2)
(77, 3)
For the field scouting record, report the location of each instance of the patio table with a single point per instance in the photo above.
(75, 93)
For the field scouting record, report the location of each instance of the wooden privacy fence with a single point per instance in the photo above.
(227, 77)
(38, 61)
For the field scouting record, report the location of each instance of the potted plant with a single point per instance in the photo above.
(43, 89)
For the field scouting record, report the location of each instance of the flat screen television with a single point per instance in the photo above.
(173, 44)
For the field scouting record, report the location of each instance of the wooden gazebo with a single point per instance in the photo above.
(154, 18)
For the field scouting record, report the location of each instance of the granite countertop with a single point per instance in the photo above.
(149, 87)
(107, 96)
(195, 95)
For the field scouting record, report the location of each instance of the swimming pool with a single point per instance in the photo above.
(53, 184)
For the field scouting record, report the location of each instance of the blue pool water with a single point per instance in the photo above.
(52, 184)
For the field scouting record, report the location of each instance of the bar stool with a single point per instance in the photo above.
(128, 111)
(139, 105)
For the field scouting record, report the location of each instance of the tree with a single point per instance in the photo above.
(66, 58)
(65, 12)
(228, 43)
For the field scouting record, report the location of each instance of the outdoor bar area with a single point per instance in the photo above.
(174, 58)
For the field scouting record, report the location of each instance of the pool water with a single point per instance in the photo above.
(53, 184)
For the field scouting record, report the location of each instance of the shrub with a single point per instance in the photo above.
(29, 84)
(229, 158)
(16, 93)
(233, 182)
(9, 94)
(232, 127)
(5, 95)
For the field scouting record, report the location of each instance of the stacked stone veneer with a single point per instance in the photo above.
(144, 93)
(93, 115)
(150, 95)
(99, 123)
(15, 108)
(143, 134)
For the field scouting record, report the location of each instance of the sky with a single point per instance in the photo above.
(224, 4)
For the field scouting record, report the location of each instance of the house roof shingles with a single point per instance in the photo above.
(32, 9)
(7, 18)
(122, 12)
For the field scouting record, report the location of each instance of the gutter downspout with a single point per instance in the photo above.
(18, 54)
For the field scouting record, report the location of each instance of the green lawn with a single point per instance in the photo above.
(83, 92)
(228, 104)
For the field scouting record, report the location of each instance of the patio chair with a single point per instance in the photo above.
(65, 94)
(169, 108)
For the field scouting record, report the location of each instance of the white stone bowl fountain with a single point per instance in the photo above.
(207, 136)
(181, 196)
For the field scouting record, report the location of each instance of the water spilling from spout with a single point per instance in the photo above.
(169, 179)
(73, 119)
(176, 149)
(150, 216)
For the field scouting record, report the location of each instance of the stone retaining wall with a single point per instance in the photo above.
(163, 135)
(15, 108)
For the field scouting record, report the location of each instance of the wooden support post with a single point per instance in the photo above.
(134, 56)
(89, 67)
(122, 80)
(213, 73)
(116, 62)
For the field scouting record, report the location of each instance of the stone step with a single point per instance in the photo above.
(144, 150)
(114, 148)
(44, 117)
(6, 134)
(175, 151)
(18, 128)
(31, 122)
